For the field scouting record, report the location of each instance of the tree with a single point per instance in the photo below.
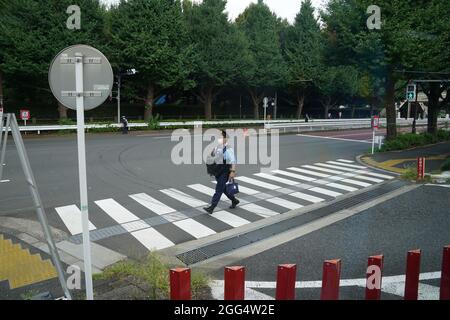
(151, 36)
(222, 55)
(35, 31)
(304, 54)
(262, 30)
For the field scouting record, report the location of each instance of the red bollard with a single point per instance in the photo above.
(420, 168)
(445, 276)
(180, 284)
(330, 280)
(412, 275)
(234, 283)
(374, 277)
(286, 282)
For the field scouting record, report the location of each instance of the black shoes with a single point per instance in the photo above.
(234, 204)
(209, 209)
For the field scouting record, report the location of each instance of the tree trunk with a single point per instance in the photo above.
(148, 113)
(256, 102)
(207, 97)
(390, 107)
(326, 105)
(300, 103)
(433, 107)
(353, 112)
(1, 89)
(62, 110)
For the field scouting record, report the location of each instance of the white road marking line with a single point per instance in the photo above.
(194, 228)
(230, 219)
(306, 197)
(342, 187)
(346, 161)
(322, 169)
(379, 175)
(294, 175)
(357, 183)
(71, 216)
(284, 203)
(347, 165)
(340, 139)
(152, 239)
(260, 211)
(245, 190)
(4, 181)
(258, 183)
(312, 173)
(438, 185)
(202, 189)
(152, 204)
(276, 179)
(183, 197)
(326, 192)
(361, 177)
(333, 167)
(116, 211)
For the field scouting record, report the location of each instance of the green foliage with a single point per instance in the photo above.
(409, 140)
(66, 122)
(409, 174)
(446, 165)
(153, 123)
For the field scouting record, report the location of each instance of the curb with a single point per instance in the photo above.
(360, 161)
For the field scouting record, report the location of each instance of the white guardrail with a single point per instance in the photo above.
(319, 124)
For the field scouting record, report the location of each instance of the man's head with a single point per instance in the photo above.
(224, 137)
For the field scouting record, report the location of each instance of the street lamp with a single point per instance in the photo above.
(129, 72)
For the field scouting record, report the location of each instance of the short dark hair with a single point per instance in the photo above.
(224, 134)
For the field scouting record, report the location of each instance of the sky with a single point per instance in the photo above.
(283, 8)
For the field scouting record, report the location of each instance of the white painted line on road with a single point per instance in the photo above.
(284, 203)
(330, 138)
(341, 187)
(230, 219)
(379, 175)
(152, 204)
(245, 190)
(333, 167)
(361, 177)
(152, 239)
(326, 192)
(294, 175)
(4, 181)
(183, 197)
(196, 229)
(258, 183)
(357, 183)
(322, 169)
(306, 197)
(438, 185)
(202, 189)
(71, 216)
(346, 161)
(258, 210)
(276, 179)
(116, 211)
(347, 165)
(312, 173)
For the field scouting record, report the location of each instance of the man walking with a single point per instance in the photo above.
(124, 125)
(226, 172)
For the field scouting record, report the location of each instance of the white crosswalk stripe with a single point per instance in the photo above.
(379, 175)
(152, 239)
(341, 187)
(306, 197)
(326, 192)
(310, 172)
(258, 183)
(361, 177)
(184, 197)
(346, 161)
(284, 203)
(196, 229)
(258, 210)
(276, 179)
(347, 165)
(152, 204)
(357, 183)
(333, 167)
(230, 219)
(116, 211)
(245, 190)
(294, 175)
(202, 189)
(71, 216)
(322, 169)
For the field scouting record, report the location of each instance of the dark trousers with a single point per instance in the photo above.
(221, 189)
(125, 130)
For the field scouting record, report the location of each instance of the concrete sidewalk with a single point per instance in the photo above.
(400, 161)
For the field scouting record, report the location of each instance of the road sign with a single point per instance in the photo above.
(266, 102)
(411, 92)
(25, 115)
(420, 168)
(97, 81)
(375, 122)
(81, 78)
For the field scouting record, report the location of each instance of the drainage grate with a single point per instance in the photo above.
(215, 249)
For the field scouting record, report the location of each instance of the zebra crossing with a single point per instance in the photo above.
(155, 223)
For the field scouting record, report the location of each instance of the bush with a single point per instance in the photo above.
(446, 165)
(410, 140)
(66, 122)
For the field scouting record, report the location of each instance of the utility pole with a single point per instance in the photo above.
(119, 83)
(276, 106)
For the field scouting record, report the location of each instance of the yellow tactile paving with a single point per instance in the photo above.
(391, 165)
(20, 267)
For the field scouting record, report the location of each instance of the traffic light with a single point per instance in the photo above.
(411, 92)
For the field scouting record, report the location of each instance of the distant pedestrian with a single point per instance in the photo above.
(307, 118)
(124, 122)
(224, 170)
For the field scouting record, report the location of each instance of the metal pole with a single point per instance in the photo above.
(82, 175)
(2, 119)
(373, 141)
(5, 140)
(38, 202)
(240, 106)
(118, 98)
(276, 105)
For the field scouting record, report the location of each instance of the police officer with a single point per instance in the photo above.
(226, 173)
(124, 125)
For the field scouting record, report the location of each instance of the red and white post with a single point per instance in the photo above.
(420, 168)
(374, 277)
